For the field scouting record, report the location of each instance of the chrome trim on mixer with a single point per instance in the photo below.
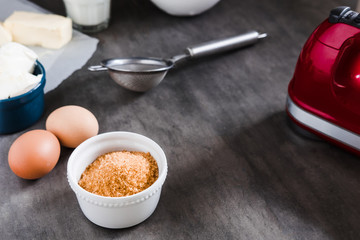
(322, 126)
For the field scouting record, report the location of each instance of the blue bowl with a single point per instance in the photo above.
(20, 112)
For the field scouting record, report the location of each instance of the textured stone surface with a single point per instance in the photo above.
(236, 169)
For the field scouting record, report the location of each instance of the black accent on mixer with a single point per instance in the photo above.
(345, 15)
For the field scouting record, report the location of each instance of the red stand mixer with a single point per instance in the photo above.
(324, 93)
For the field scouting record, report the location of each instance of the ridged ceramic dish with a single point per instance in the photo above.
(185, 7)
(116, 212)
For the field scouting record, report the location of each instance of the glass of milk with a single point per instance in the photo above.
(89, 15)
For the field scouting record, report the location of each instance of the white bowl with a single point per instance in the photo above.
(116, 212)
(184, 7)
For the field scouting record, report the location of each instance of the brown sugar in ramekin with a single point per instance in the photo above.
(120, 173)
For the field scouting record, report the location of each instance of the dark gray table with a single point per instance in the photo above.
(236, 169)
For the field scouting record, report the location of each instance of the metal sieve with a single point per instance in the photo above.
(140, 74)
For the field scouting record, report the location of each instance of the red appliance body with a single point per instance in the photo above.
(324, 93)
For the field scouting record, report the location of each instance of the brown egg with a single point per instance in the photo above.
(34, 154)
(72, 125)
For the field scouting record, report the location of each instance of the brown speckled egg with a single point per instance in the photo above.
(72, 125)
(34, 154)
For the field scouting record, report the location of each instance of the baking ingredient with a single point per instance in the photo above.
(72, 125)
(34, 154)
(88, 12)
(120, 173)
(5, 35)
(17, 64)
(17, 57)
(45, 30)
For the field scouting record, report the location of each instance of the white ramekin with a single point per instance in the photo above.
(184, 7)
(116, 212)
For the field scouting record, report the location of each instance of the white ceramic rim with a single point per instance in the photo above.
(117, 201)
(189, 8)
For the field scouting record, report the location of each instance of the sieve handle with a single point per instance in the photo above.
(97, 68)
(222, 45)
